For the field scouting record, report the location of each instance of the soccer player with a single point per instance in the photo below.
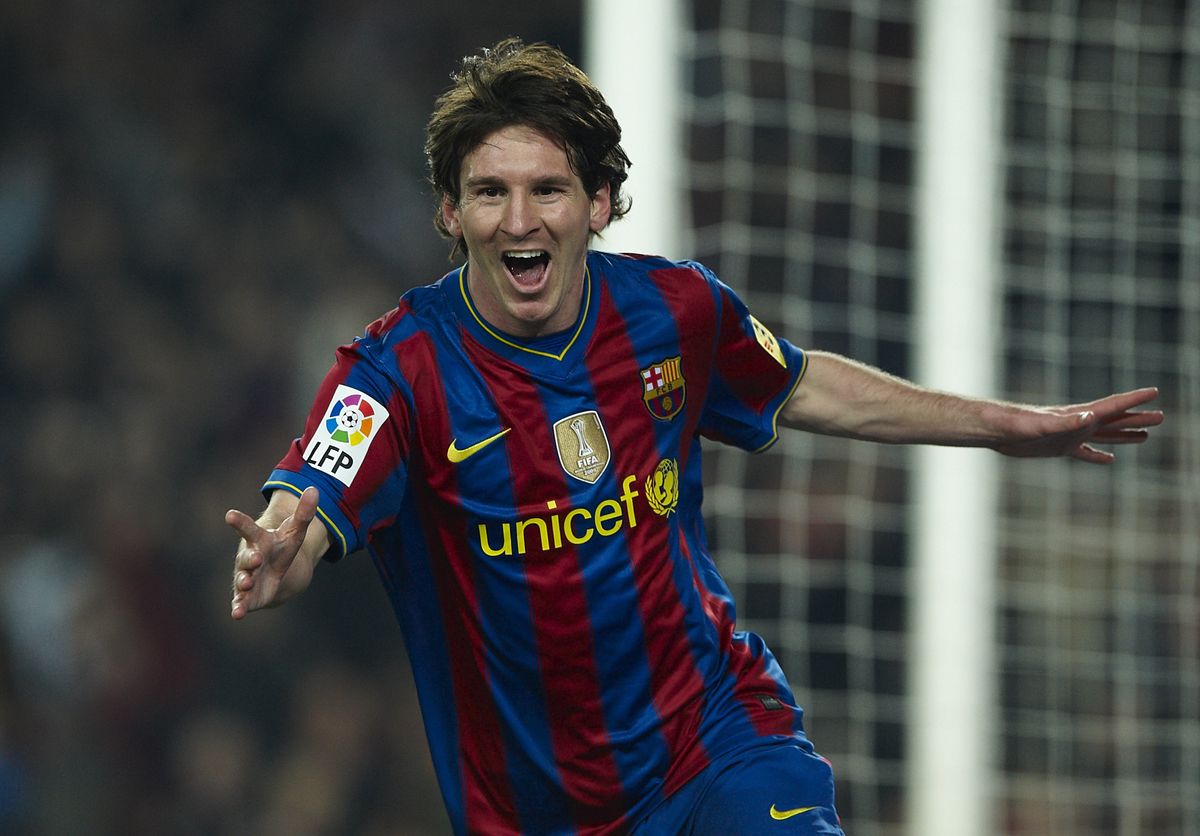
(518, 447)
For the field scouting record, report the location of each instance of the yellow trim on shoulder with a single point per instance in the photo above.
(587, 301)
(325, 517)
(779, 409)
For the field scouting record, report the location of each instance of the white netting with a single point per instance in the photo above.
(801, 142)
(1099, 617)
(800, 120)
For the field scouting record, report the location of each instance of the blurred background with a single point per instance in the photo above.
(199, 201)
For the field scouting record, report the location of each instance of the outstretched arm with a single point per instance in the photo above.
(841, 397)
(278, 552)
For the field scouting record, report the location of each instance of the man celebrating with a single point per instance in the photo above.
(518, 447)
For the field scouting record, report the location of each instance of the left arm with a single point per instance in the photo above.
(841, 397)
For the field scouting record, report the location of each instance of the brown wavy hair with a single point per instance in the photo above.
(534, 86)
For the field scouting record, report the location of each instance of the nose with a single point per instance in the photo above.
(520, 216)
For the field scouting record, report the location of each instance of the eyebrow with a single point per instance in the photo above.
(489, 180)
(474, 182)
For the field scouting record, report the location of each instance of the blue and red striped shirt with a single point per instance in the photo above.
(534, 512)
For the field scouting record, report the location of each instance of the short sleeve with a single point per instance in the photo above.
(754, 375)
(353, 450)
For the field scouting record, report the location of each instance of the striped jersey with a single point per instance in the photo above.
(534, 512)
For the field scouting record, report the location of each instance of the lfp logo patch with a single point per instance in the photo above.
(350, 419)
(340, 444)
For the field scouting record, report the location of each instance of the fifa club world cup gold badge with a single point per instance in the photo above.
(582, 446)
(663, 388)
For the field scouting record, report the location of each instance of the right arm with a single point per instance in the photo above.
(844, 398)
(278, 553)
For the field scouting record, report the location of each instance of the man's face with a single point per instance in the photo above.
(526, 220)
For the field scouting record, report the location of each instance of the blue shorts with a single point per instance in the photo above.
(782, 787)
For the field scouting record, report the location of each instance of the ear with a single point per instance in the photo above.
(450, 217)
(601, 208)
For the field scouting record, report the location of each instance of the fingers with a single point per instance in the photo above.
(1074, 430)
(248, 555)
(1114, 422)
(245, 565)
(243, 524)
(245, 577)
(1134, 420)
(1126, 437)
(249, 558)
(242, 584)
(1122, 426)
(1123, 401)
(1088, 453)
(267, 551)
(238, 608)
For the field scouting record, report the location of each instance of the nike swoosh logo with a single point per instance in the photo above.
(781, 815)
(456, 455)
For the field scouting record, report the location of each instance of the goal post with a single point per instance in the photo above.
(631, 50)
(952, 686)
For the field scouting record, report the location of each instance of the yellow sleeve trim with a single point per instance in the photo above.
(783, 403)
(324, 517)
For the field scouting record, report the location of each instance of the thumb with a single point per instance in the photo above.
(296, 525)
(1076, 421)
(307, 507)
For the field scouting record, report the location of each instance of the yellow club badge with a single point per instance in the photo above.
(662, 487)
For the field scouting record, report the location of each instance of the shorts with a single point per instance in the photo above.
(781, 787)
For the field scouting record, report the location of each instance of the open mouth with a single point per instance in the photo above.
(527, 268)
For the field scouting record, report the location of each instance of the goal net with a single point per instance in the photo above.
(800, 129)
(799, 125)
(1098, 588)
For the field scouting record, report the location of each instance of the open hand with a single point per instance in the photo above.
(1072, 430)
(267, 555)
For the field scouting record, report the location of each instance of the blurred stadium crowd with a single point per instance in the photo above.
(198, 201)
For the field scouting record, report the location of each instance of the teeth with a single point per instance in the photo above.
(525, 254)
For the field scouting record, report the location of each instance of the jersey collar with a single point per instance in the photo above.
(511, 347)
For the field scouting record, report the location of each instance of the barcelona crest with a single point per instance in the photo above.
(663, 388)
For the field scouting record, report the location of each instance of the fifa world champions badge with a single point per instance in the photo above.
(582, 444)
(664, 389)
